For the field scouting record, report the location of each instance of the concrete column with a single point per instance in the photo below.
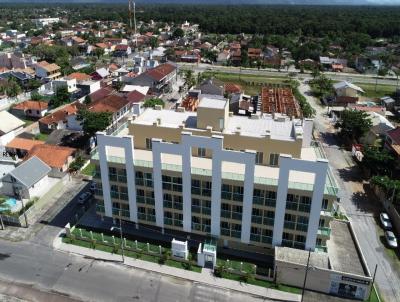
(316, 203)
(216, 194)
(105, 181)
(248, 195)
(130, 175)
(280, 208)
(157, 182)
(187, 183)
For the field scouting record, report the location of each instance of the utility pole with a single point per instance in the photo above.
(305, 276)
(373, 281)
(120, 235)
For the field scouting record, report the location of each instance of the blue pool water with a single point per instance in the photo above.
(10, 203)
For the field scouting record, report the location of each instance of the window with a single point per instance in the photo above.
(201, 152)
(259, 158)
(273, 159)
(287, 236)
(321, 223)
(325, 204)
(300, 238)
(149, 144)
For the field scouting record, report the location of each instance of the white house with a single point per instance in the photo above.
(28, 180)
(10, 127)
(347, 89)
(70, 83)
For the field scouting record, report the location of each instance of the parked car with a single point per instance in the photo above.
(385, 221)
(84, 197)
(391, 239)
(92, 186)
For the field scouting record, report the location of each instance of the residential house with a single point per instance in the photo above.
(28, 180)
(122, 50)
(100, 74)
(21, 77)
(223, 57)
(47, 72)
(254, 54)
(20, 147)
(334, 64)
(212, 86)
(30, 108)
(10, 127)
(159, 79)
(58, 119)
(58, 158)
(388, 102)
(392, 142)
(67, 82)
(347, 89)
(380, 126)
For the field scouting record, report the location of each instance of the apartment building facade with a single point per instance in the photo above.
(251, 183)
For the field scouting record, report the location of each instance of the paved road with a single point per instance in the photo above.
(359, 205)
(356, 78)
(36, 272)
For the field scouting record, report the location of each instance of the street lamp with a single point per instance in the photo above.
(120, 234)
(305, 277)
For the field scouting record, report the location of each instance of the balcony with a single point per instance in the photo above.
(225, 214)
(302, 227)
(256, 219)
(258, 200)
(269, 202)
(304, 208)
(141, 216)
(122, 178)
(324, 231)
(196, 191)
(113, 177)
(150, 201)
(196, 209)
(237, 216)
(299, 245)
(178, 206)
(290, 225)
(238, 197)
(140, 199)
(206, 211)
(269, 221)
(236, 234)
(321, 248)
(139, 182)
(196, 226)
(168, 204)
(287, 243)
(151, 218)
(100, 208)
(291, 205)
(266, 239)
(225, 232)
(255, 237)
(226, 195)
(168, 221)
(115, 195)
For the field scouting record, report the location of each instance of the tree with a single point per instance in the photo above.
(153, 102)
(12, 88)
(178, 33)
(189, 78)
(153, 42)
(87, 100)
(93, 122)
(98, 52)
(378, 161)
(61, 97)
(35, 96)
(353, 124)
(324, 86)
(118, 85)
(33, 84)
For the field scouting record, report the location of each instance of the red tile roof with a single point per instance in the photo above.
(54, 156)
(32, 105)
(112, 103)
(61, 115)
(161, 71)
(233, 88)
(79, 76)
(135, 97)
(101, 93)
(23, 143)
(394, 134)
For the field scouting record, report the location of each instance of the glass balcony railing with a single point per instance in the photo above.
(196, 226)
(236, 234)
(258, 200)
(196, 209)
(324, 231)
(237, 216)
(290, 225)
(225, 232)
(302, 227)
(306, 208)
(225, 214)
(292, 205)
(269, 202)
(255, 237)
(266, 239)
(256, 219)
(168, 204)
(269, 221)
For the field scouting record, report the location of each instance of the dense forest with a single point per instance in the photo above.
(311, 21)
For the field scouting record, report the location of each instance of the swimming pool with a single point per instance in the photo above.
(9, 204)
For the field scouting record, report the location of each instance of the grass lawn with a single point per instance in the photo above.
(374, 296)
(128, 253)
(42, 137)
(246, 267)
(89, 170)
(245, 80)
(381, 90)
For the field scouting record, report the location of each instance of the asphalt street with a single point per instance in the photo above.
(356, 78)
(34, 271)
(359, 204)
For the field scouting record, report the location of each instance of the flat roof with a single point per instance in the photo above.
(343, 253)
(286, 254)
(282, 128)
(211, 101)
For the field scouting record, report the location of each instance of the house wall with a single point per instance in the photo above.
(347, 92)
(73, 123)
(40, 188)
(8, 137)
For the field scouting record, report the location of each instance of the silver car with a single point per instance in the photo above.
(391, 239)
(385, 221)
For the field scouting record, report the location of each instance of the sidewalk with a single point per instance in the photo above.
(205, 277)
(54, 200)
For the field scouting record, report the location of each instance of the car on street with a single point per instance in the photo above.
(385, 221)
(84, 197)
(92, 186)
(391, 239)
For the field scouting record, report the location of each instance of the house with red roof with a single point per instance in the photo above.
(30, 108)
(159, 79)
(122, 50)
(392, 142)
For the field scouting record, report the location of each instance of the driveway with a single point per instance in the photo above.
(359, 204)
